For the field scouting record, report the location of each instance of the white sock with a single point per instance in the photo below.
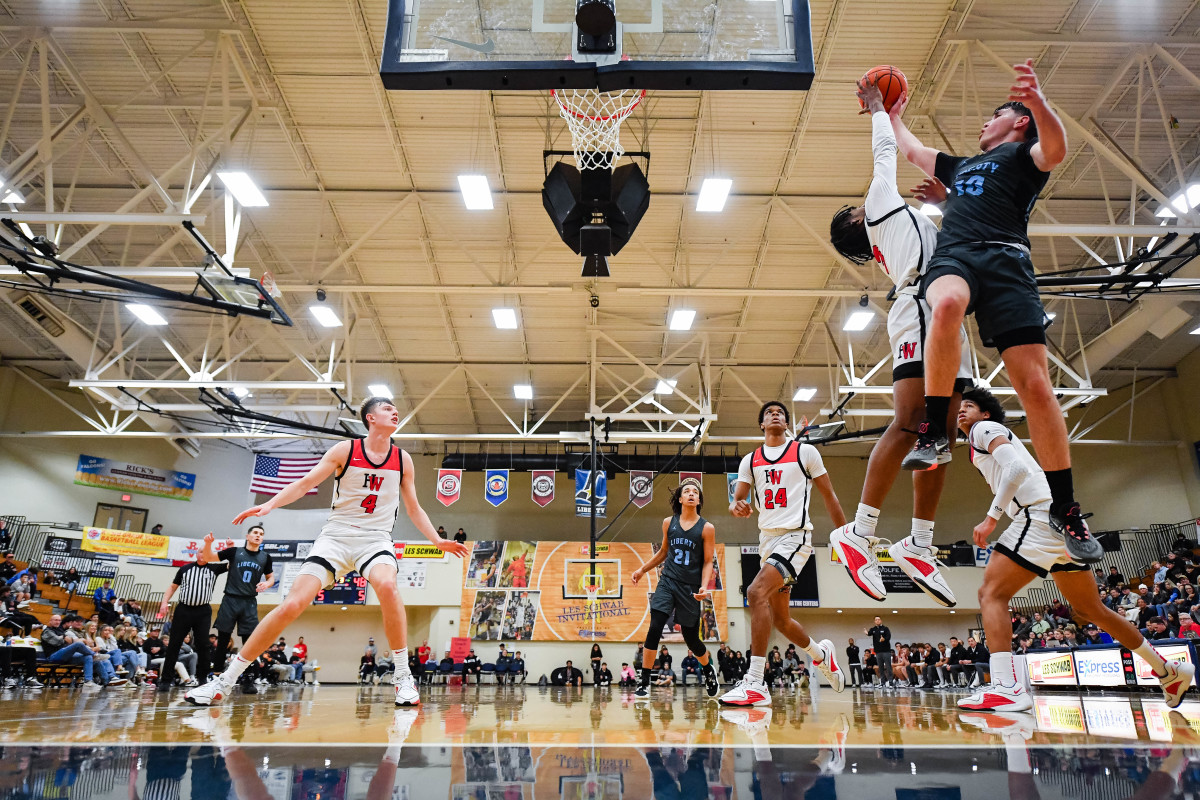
(393, 753)
(757, 664)
(922, 532)
(1004, 670)
(1151, 657)
(813, 650)
(865, 520)
(400, 659)
(1018, 758)
(236, 667)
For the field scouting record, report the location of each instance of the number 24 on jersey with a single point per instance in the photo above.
(775, 498)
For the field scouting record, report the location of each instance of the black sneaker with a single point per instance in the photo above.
(710, 682)
(929, 448)
(248, 687)
(642, 693)
(1081, 545)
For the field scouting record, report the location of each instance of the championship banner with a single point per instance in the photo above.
(583, 496)
(121, 476)
(641, 487)
(543, 487)
(731, 478)
(550, 591)
(124, 543)
(698, 477)
(449, 486)
(495, 486)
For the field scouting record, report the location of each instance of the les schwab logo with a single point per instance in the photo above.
(1054, 668)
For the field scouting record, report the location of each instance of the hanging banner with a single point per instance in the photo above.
(583, 497)
(543, 487)
(121, 476)
(495, 486)
(641, 487)
(124, 543)
(696, 477)
(731, 479)
(449, 485)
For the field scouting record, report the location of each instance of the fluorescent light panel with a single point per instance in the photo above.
(1195, 332)
(858, 321)
(505, 318)
(380, 390)
(665, 387)
(240, 391)
(523, 391)
(475, 191)
(804, 394)
(682, 319)
(325, 315)
(243, 189)
(1182, 202)
(147, 314)
(713, 194)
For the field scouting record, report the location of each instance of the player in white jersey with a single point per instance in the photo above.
(782, 474)
(900, 239)
(372, 476)
(1030, 547)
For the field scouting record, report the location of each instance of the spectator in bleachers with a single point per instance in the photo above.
(1143, 612)
(1115, 579)
(978, 655)
(517, 667)
(49, 578)
(960, 663)
(1175, 567)
(628, 676)
(1021, 626)
(1061, 612)
(70, 580)
(441, 532)
(1187, 628)
(124, 662)
(1127, 602)
(103, 598)
(1156, 628)
(89, 633)
(1160, 571)
(1069, 638)
(59, 649)
(1023, 646)
(472, 666)
(1187, 600)
(27, 658)
(461, 536)
(14, 618)
(871, 668)
(605, 677)
(791, 665)
(691, 666)
(1094, 637)
(5, 535)
(7, 568)
(1040, 626)
(366, 665)
(130, 642)
(133, 612)
(1183, 546)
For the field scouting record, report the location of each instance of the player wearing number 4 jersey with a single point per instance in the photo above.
(373, 476)
(782, 474)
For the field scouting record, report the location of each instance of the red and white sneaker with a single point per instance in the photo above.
(1009, 726)
(995, 697)
(754, 722)
(920, 565)
(747, 692)
(210, 693)
(1177, 681)
(857, 554)
(829, 666)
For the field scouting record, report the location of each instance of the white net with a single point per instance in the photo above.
(594, 119)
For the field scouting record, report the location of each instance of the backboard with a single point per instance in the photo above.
(658, 44)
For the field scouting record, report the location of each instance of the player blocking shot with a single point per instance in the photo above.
(782, 474)
(901, 241)
(686, 555)
(371, 478)
(1031, 548)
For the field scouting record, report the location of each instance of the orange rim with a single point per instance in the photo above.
(600, 118)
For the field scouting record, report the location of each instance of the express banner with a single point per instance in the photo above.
(121, 476)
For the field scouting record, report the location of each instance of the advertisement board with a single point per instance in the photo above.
(1059, 714)
(1179, 651)
(1099, 666)
(1110, 717)
(1051, 668)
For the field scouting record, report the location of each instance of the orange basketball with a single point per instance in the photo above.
(891, 83)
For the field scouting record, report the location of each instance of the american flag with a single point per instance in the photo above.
(272, 474)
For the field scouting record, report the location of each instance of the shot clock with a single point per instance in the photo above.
(350, 590)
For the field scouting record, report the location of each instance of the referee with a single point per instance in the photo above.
(194, 584)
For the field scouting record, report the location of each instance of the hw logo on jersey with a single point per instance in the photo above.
(496, 486)
(906, 351)
(773, 476)
(449, 485)
(373, 482)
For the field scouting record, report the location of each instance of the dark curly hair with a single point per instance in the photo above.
(1022, 111)
(987, 403)
(849, 236)
(762, 412)
(677, 497)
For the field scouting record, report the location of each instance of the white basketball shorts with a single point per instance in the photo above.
(338, 550)
(1033, 544)
(907, 322)
(786, 551)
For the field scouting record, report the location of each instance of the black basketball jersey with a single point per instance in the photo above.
(246, 570)
(990, 196)
(685, 552)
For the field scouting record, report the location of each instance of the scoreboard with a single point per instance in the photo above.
(350, 590)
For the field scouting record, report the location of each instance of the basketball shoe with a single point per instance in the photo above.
(710, 680)
(931, 449)
(402, 723)
(752, 721)
(211, 723)
(642, 692)
(1007, 725)
(995, 697)
(920, 565)
(1081, 545)
(406, 691)
(747, 692)
(1176, 682)
(832, 761)
(857, 554)
(210, 693)
(829, 666)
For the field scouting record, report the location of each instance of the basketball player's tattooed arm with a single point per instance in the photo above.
(412, 506)
(710, 546)
(922, 157)
(334, 459)
(832, 504)
(1013, 476)
(658, 557)
(1051, 146)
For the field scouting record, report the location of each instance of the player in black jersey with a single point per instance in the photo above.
(689, 542)
(982, 266)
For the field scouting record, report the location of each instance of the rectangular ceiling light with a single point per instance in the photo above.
(1182, 202)
(804, 394)
(240, 392)
(682, 319)
(11, 195)
(505, 318)
(523, 391)
(1195, 332)
(147, 314)
(930, 210)
(380, 390)
(665, 387)
(243, 189)
(325, 315)
(858, 321)
(713, 193)
(475, 191)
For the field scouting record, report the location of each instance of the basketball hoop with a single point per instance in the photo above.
(594, 119)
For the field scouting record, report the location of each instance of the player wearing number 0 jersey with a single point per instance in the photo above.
(782, 474)
(373, 476)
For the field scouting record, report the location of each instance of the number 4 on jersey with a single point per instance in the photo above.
(776, 498)
(368, 503)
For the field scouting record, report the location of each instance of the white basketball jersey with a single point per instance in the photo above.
(366, 495)
(781, 479)
(1033, 490)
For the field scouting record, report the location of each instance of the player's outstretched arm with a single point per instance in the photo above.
(656, 559)
(710, 547)
(333, 460)
(412, 506)
(922, 157)
(832, 505)
(1051, 147)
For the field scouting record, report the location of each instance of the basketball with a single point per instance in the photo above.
(891, 82)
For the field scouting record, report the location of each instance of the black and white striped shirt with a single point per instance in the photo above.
(196, 582)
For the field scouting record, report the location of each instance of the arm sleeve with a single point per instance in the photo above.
(812, 461)
(218, 568)
(226, 554)
(269, 567)
(1015, 473)
(745, 475)
(944, 168)
(883, 196)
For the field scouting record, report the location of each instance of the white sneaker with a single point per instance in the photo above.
(747, 692)
(857, 554)
(11, 683)
(920, 565)
(33, 683)
(91, 686)
(753, 721)
(1012, 727)
(1177, 681)
(835, 763)
(998, 698)
(117, 682)
(974, 684)
(210, 693)
(406, 692)
(402, 723)
(212, 724)
(829, 666)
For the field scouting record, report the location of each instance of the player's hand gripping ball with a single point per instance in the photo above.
(891, 84)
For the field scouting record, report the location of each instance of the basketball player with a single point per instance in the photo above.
(982, 265)
(371, 477)
(1030, 548)
(250, 571)
(901, 241)
(688, 544)
(516, 572)
(782, 473)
